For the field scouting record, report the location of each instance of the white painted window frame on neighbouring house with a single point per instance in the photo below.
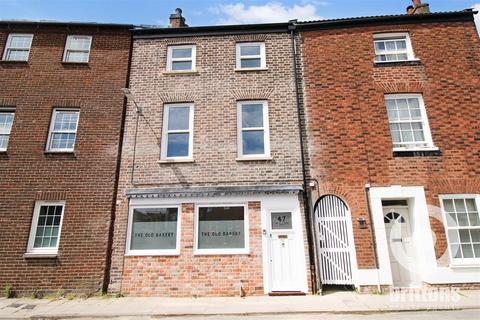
(166, 132)
(68, 49)
(265, 128)
(245, 250)
(153, 252)
(54, 131)
(261, 56)
(399, 36)
(459, 261)
(171, 59)
(425, 145)
(31, 250)
(9, 48)
(5, 132)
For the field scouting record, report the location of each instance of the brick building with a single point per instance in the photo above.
(393, 142)
(210, 190)
(61, 110)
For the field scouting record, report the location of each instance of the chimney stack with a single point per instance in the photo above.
(176, 19)
(418, 7)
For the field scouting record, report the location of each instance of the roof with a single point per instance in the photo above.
(464, 15)
(65, 23)
(162, 32)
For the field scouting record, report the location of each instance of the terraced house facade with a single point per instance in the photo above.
(392, 125)
(210, 192)
(61, 109)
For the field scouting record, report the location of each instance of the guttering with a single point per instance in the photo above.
(456, 16)
(147, 33)
(61, 23)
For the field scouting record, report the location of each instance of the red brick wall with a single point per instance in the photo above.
(84, 179)
(349, 142)
(188, 275)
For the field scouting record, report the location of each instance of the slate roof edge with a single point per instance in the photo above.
(148, 32)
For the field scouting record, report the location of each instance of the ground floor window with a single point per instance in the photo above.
(154, 231)
(46, 228)
(222, 229)
(462, 223)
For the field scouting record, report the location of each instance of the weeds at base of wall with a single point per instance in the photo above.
(8, 291)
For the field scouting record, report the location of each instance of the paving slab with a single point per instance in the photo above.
(337, 302)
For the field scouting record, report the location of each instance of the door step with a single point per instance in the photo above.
(286, 293)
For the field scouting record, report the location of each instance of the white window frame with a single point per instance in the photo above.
(425, 123)
(11, 111)
(33, 229)
(67, 44)
(265, 128)
(51, 131)
(153, 252)
(395, 36)
(165, 132)
(170, 58)
(458, 261)
(246, 250)
(8, 45)
(262, 56)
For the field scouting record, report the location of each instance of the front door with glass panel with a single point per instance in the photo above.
(284, 272)
(400, 246)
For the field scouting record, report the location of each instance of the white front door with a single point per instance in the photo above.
(401, 250)
(285, 275)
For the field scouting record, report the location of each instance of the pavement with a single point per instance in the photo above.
(333, 303)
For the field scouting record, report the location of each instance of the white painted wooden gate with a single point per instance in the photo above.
(336, 251)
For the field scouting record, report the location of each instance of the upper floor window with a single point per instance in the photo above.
(392, 47)
(18, 47)
(177, 137)
(77, 49)
(181, 58)
(46, 228)
(251, 55)
(408, 122)
(462, 225)
(6, 122)
(63, 131)
(253, 129)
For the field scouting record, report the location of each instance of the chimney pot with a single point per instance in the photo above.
(177, 20)
(418, 7)
(417, 2)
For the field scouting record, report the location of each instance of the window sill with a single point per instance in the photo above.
(416, 152)
(68, 63)
(160, 254)
(414, 62)
(182, 72)
(250, 69)
(14, 61)
(265, 158)
(40, 255)
(464, 266)
(221, 253)
(176, 161)
(59, 152)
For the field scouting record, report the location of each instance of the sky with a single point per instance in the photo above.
(211, 12)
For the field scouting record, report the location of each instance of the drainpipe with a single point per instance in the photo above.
(372, 232)
(306, 200)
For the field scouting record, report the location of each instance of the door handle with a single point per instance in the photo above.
(264, 232)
